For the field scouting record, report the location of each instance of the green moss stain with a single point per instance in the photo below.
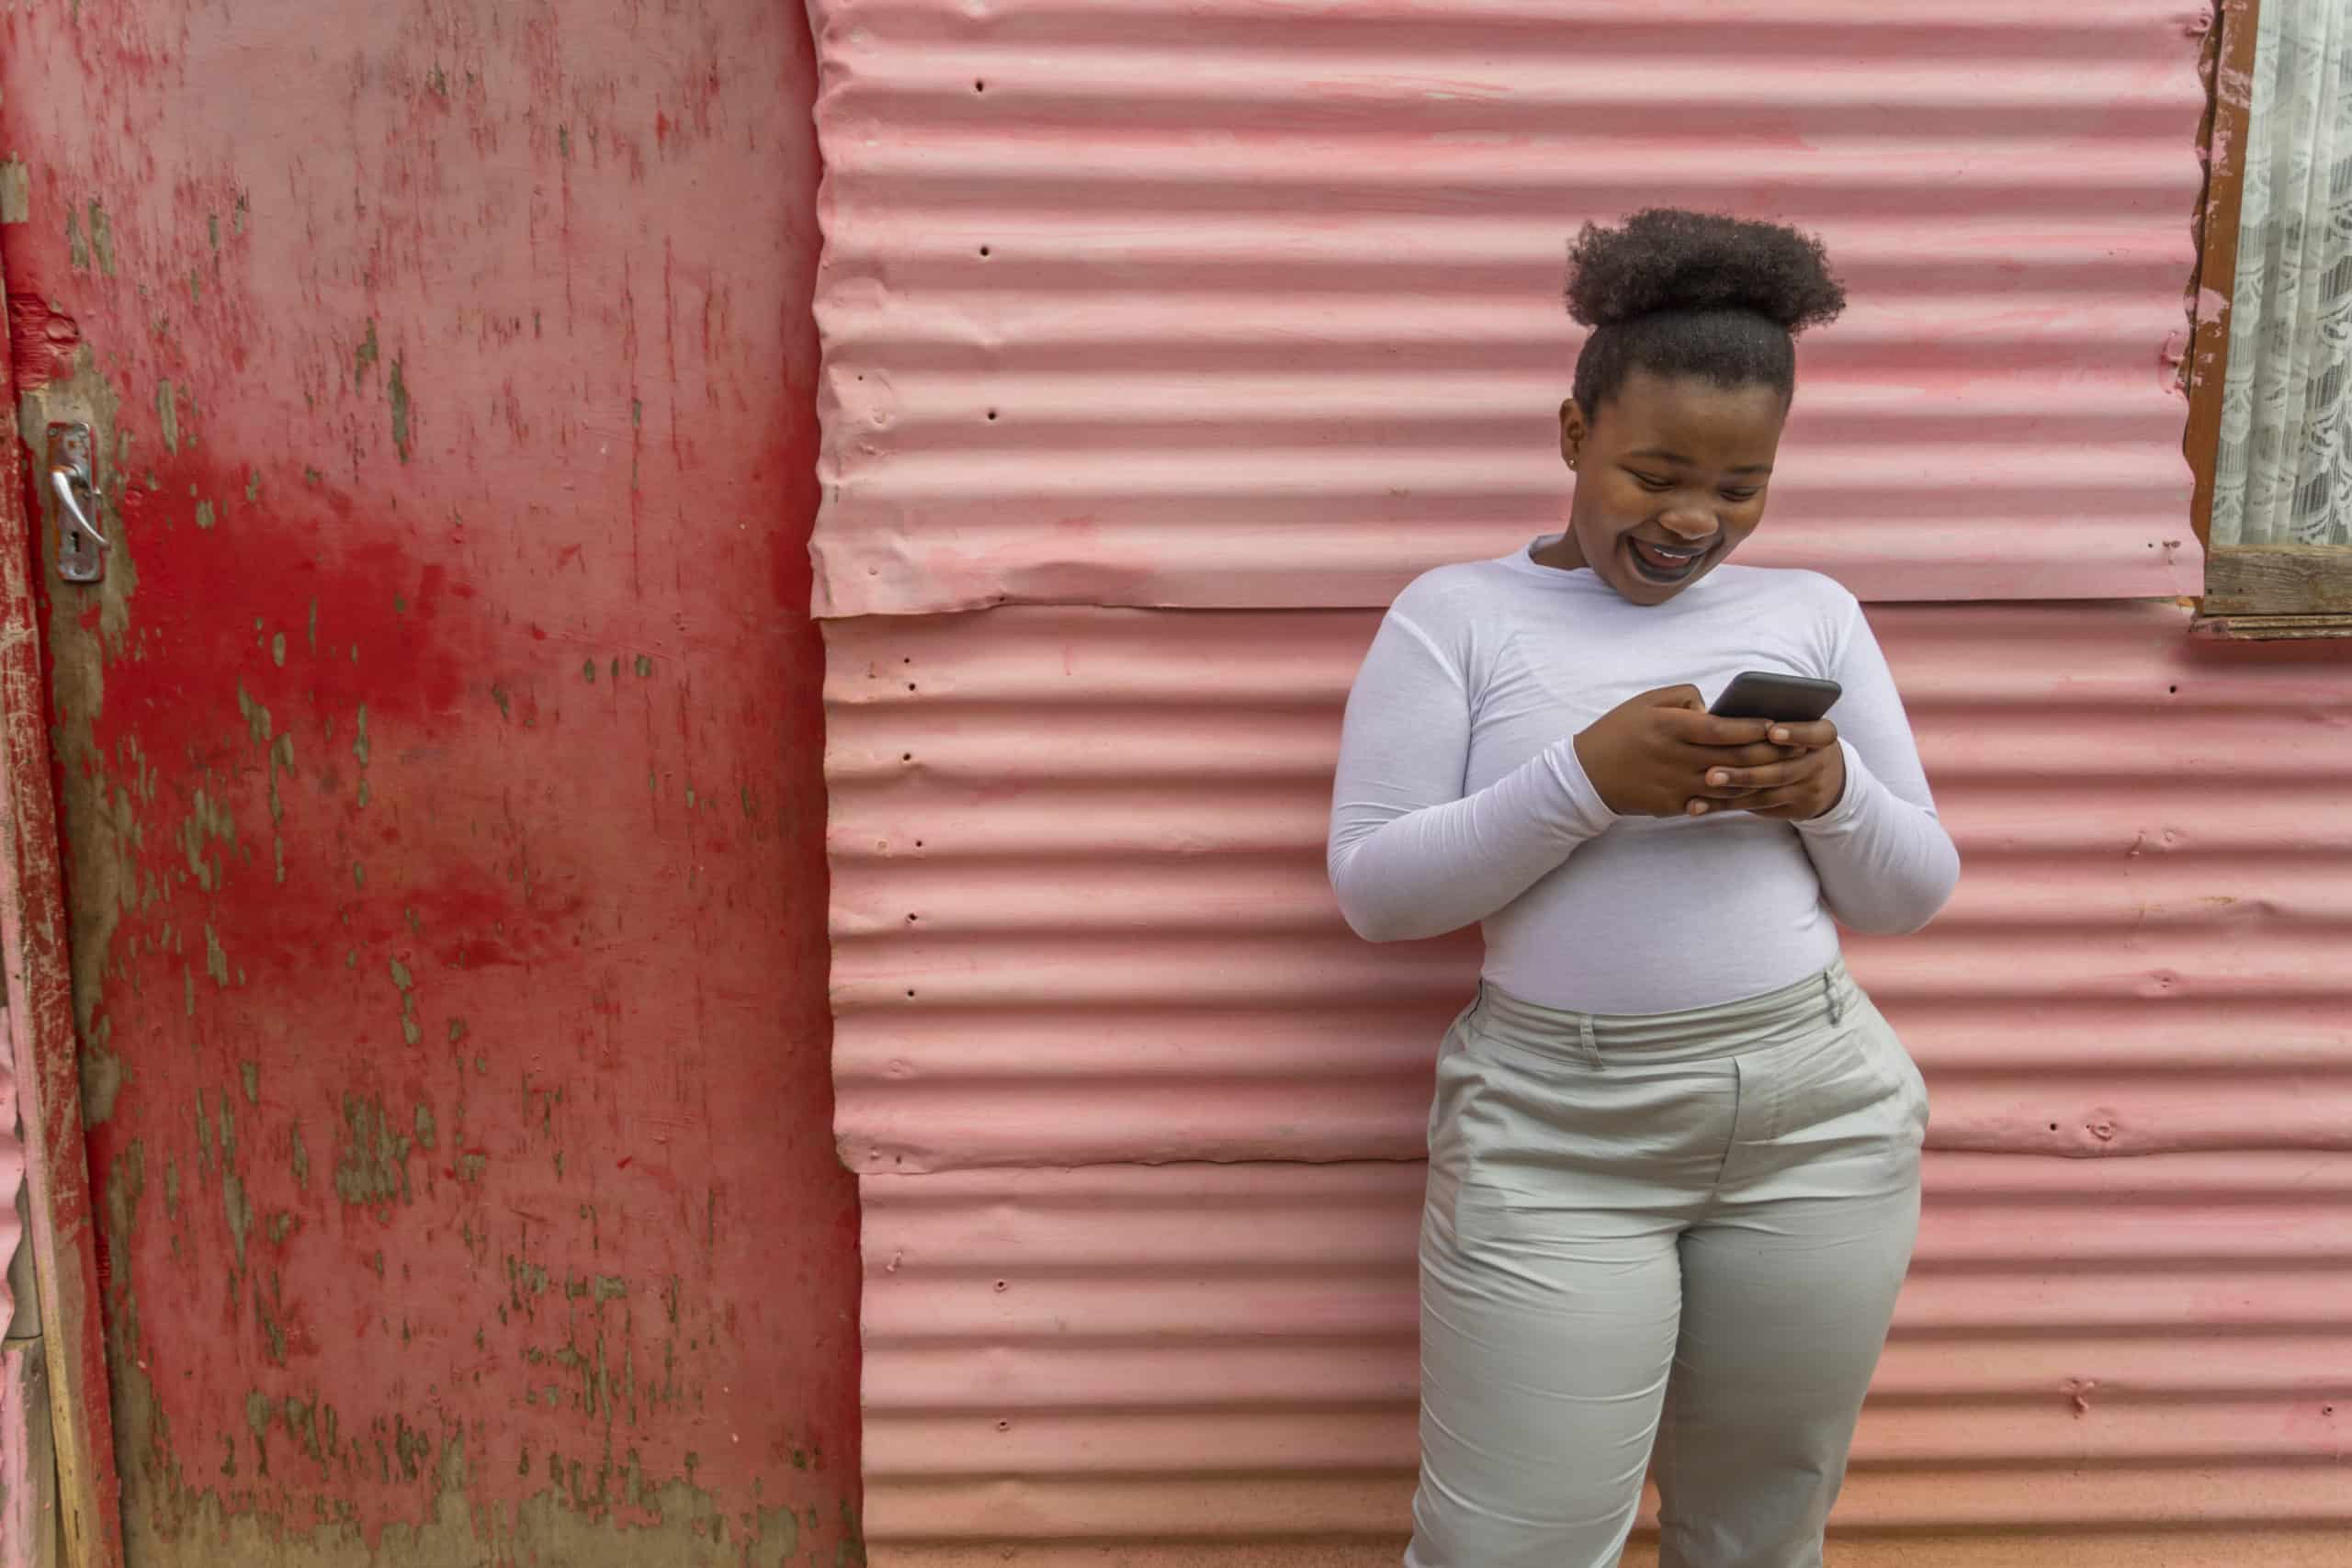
(253, 486)
(16, 191)
(205, 515)
(241, 1211)
(409, 1029)
(281, 760)
(360, 748)
(77, 248)
(207, 824)
(257, 720)
(588, 672)
(372, 1164)
(126, 1184)
(398, 388)
(249, 1073)
(363, 357)
(298, 1161)
(424, 1127)
(216, 959)
(104, 1073)
(102, 239)
(258, 1415)
(167, 415)
(644, 664)
(278, 650)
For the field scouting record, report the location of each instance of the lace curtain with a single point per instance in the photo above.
(2283, 473)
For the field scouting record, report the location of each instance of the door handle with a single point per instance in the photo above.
(80, 547)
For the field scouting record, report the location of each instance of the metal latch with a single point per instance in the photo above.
(81, 548)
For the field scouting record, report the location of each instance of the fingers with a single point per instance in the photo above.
(1817, 736)
(1770, 775)
(1788, 803)
(1724, 781)
(1698, 727)
(1683, 697)
(1762, 754)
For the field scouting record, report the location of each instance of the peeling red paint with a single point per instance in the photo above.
(40, 341)
(439, 773)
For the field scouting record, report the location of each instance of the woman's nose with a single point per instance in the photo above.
(1687, 522)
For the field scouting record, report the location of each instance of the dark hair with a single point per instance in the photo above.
(1681, 293)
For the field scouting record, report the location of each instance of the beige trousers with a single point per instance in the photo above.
(1676, 1238)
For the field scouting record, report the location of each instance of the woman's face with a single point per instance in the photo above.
(1671, 473)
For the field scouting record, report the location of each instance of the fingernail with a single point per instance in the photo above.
(1780, 735)
(1698, 808)
(1719, 778)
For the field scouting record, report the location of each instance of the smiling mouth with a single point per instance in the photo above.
(1665, 564)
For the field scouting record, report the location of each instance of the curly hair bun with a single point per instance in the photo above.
(1669, 259)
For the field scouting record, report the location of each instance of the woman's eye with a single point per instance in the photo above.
(1651, 481)
(1741, 497)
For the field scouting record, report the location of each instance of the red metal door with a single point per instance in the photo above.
(437, 767)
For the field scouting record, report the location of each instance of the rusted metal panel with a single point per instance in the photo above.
(439, 772)
(1081, 924)
(1254, 303)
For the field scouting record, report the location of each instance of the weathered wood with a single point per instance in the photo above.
(42, 1041)
(2272, 628)
(2229, 64)
(27, 1468)
(2286, 580)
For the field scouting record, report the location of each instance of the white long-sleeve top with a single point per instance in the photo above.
(1460, 798)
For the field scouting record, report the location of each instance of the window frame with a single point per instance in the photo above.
(2252, 592)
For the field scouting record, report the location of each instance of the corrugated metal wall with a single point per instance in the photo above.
(1185, 334)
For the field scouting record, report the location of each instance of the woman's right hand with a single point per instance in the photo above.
(1650, 756)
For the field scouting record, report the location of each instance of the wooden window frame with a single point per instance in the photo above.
(2253, 593)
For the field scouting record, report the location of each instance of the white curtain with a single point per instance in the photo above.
(2283, 474)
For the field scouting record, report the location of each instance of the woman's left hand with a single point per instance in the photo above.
(1804, 786)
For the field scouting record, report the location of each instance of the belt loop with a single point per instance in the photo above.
(1590, 1042)
(1829, 992)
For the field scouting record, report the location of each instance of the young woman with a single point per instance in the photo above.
(1674, 1154)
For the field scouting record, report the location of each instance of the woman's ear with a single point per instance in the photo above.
(1573, 429)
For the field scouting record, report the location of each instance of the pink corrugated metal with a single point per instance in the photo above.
(1091, 843)
(1255, 302)
(1236, 314)
(1211, 1353)
(1081, 922)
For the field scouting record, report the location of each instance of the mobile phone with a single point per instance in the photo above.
(1784, 699)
